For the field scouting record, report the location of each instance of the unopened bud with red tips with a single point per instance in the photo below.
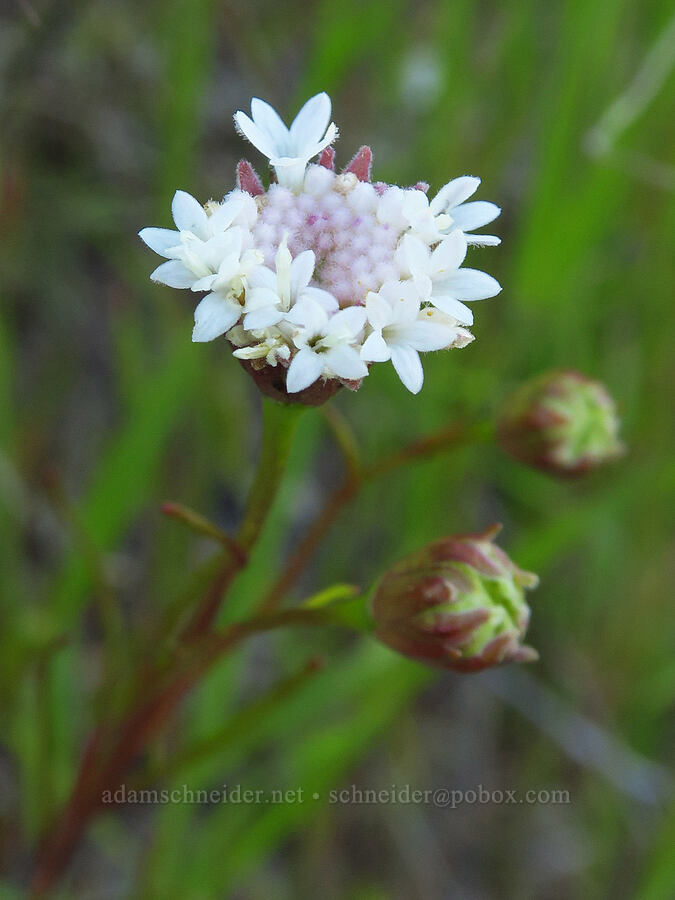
(561, 422)
(458, 603)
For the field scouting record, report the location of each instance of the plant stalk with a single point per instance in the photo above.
(103, 765)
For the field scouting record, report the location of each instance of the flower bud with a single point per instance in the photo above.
(458, 603)
(561, 422)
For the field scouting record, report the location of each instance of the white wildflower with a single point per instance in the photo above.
(467, 216)
(196, 249)
(439, 279)
(219, 310)
(272, 294)
(322, 274)
(289, 149)
(400, 330)
(326, 344)
(409, 208)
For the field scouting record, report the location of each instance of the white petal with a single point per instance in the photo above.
(160, 239)
(282, 263)
(259, 138)
(260, 296)
(389, 207)
(427, 336)
(204, 284)
(423, 286)
(264, 317)
(310, 315)
(330, 137)
(213, 317)
(226, 212)
(453, 193)
(449, 255)
(452, 307)
(474, 215)
(174, 274)
(378, 311)
(375, 348)
(188, 214)
(228, 270)
(221, 246)
(345, 362)
(302, 269)
(405, 299)
(230, 241)
(268, 120)
(304, 369)
(310, 123)
(470, 284)
(415, 203)
(323, 298)
(247, 214)
(290, 170)
(408, 366)
(415, 253)
(483, 240)
(349, 320)
(262, 277)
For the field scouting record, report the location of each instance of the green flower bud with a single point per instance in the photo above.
(458, 603)
(561, 422)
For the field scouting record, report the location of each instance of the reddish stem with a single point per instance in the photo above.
(102, 766)
(447, 438)
(101, 769)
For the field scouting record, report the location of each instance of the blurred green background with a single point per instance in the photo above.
(106, 410)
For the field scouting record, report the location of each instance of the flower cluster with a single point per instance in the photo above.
(323, 273)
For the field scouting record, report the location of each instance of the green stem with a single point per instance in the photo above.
(241, 721)
(278, 427)
(102, 765)
(279, 424)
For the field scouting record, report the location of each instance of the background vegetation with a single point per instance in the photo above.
(107, 409)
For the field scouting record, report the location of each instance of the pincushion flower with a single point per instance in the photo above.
(317, 277)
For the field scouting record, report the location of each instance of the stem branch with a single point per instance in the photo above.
(279, 423)
(449, 438)
(107, 757)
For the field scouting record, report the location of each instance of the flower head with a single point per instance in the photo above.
(561, 422)
(458, 603)
(321, 274)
